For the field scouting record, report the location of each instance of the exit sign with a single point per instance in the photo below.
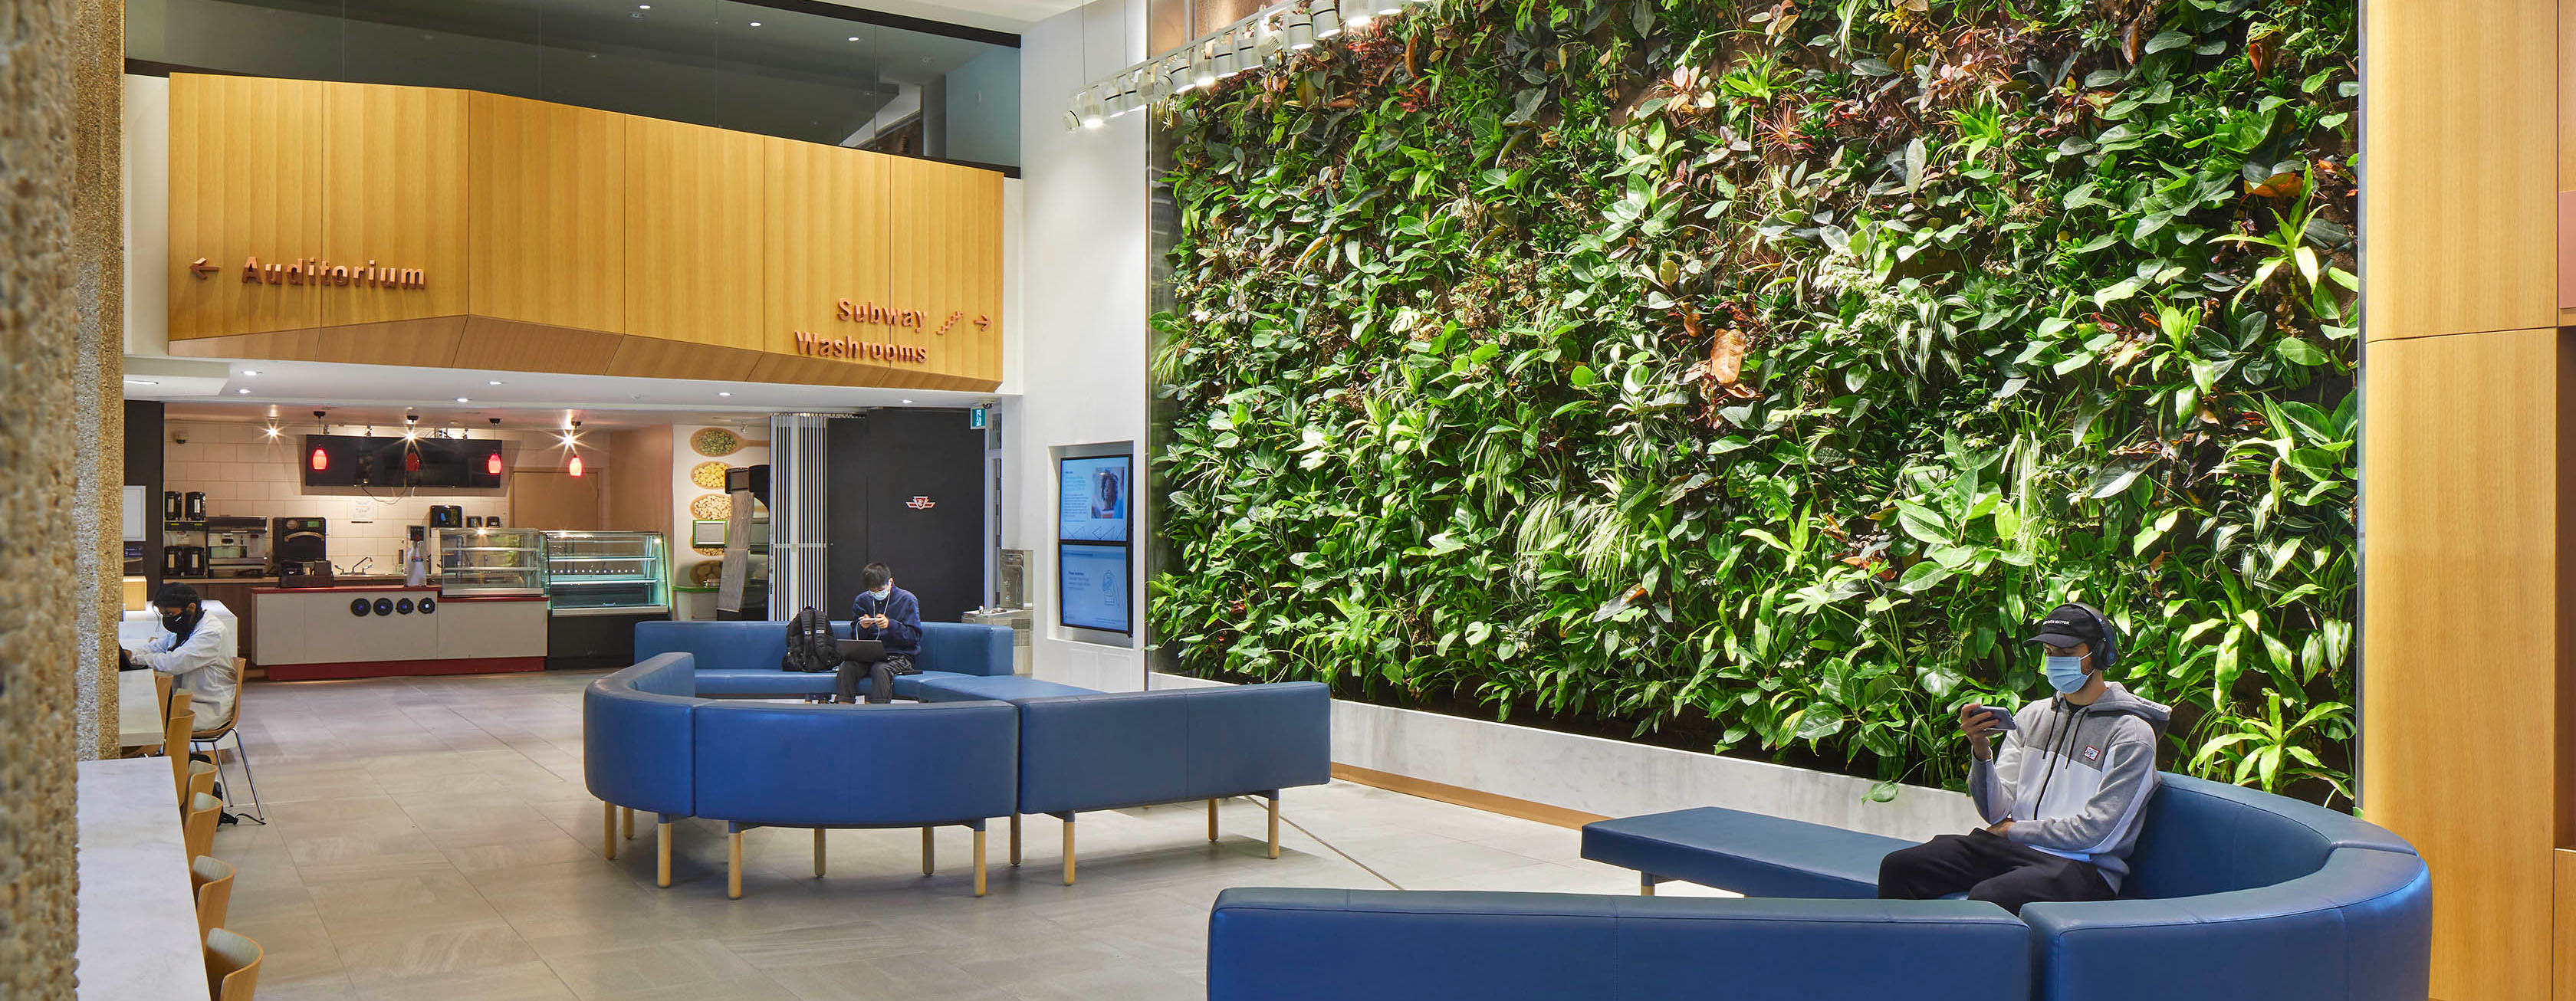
(975, 419)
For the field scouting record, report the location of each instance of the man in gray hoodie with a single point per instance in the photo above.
(2063, 798)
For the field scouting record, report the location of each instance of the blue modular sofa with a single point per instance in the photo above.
(980, 742)
(2232, 893)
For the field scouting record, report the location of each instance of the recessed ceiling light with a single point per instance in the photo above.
(132, 381)
(494, 382)
(723, 393)
(907, 402)
(854, 38)
(461, 399)
(250, 371)
(643, 6)
(755, 24)
(244, 392)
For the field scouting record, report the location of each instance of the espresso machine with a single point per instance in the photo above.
(236, 547)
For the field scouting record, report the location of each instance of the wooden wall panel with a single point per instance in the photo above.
(939, 214)
(2462, 193)
(2460, 508)
(694, 216)
(546, 188)
(245, 162)
(826, 240)
(2565, 957)
(394, 196)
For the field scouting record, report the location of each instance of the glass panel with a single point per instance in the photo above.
(743, 66)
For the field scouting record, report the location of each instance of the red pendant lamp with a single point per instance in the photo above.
(321, 459)
(492, 463)
(576, 463)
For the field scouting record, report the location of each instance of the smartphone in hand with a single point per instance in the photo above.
(2003, 718)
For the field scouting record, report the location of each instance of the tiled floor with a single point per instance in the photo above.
(430, 838)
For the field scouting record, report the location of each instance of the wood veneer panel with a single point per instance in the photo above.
(656, 358)
(394, 197)
(546, 216)
(2565, 956)
(826, 240)
(512, 346)
(425, 342)
(693, 233)
(2463, 162)
(245, 164)
(2460, 508)
(946, 228)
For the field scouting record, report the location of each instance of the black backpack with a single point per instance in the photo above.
(810, 645)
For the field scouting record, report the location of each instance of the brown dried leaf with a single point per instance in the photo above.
(1726, 356)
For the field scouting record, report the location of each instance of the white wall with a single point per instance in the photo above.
(1081, 364)
(147, 215)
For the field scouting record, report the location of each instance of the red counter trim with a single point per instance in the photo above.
(404, 668)
(493, 597)
(350, 589)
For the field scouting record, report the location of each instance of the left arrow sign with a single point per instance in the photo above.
(202, 268)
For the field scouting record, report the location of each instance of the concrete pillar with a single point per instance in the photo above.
(40, 597)
(98, 385)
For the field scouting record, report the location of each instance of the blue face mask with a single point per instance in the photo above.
(882, 593)
(2066, 674)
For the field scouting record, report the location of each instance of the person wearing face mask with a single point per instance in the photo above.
(2065, 795)
(888, 614)
(192, 650)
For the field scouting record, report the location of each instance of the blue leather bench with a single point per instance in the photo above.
(654, 741)
(1279, 945)
(739, 659)
(2233, 886)
(649, 743)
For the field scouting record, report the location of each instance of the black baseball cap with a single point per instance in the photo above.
(2069, 625)
(174, 596)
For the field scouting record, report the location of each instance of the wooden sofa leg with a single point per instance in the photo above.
(626, 822)
(662, 854)
(925, 852)
(1211, 820)
(608, 830)
(818, 853)
(1274, 825)
(1068, 850)
(733, 867)
(1015, 839)
(1645, 884)
(979, 861)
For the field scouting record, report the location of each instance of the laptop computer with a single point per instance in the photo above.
(861, 651)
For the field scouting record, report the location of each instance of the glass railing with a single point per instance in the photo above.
(815, 73)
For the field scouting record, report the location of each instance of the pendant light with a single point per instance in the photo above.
(321, 460)
(1092, 113)
(575, 468)
(492, 463)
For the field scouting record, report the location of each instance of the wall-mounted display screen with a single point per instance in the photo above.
(334, 460)
(1092, 499)
(1092, 587)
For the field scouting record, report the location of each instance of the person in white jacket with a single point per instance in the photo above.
(196, 651)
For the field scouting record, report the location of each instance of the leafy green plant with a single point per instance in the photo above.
(1746, 377)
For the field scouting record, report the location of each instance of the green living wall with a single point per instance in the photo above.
(1745, 377)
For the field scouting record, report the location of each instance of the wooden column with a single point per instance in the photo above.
(2464, 430)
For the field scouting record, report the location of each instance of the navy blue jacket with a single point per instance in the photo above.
(901, 637)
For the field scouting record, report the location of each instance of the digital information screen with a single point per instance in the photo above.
(1093, 496)
(1092, 587)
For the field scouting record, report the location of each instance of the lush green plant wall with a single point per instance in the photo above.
(1746, 376)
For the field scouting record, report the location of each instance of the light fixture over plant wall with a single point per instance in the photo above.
(1746, 376)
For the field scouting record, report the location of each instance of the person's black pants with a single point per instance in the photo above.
(880, 678)
(1987, 867)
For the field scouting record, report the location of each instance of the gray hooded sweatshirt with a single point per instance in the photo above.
(2075, 779)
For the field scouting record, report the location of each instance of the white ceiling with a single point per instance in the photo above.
(1015, 16)
(291, 391)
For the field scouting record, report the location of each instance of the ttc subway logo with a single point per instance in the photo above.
(919, 503)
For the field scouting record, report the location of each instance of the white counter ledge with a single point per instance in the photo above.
(138, 915)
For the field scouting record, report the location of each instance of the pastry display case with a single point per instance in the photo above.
(491, 562)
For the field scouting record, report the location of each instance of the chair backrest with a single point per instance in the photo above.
(198, 831)
(226, 724)
(161, 685)
(213, 879)
(2210, 837)
(175, 720)
(232, 966)
(965, 648)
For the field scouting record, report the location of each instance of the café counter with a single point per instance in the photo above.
(367, 632)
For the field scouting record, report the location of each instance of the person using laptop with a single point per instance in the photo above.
(192, 651)
(2063, 798)
(891, 616)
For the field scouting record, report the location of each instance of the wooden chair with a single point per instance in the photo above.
(213, 880)
(189, 777)
(161, 685)
(232, 966)
(199, 830)
(228, 735)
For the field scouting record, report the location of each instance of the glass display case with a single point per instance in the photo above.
(602, 573)
(488, 562)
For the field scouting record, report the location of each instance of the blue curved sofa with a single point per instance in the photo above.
(2232, 893)
(975, 746)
